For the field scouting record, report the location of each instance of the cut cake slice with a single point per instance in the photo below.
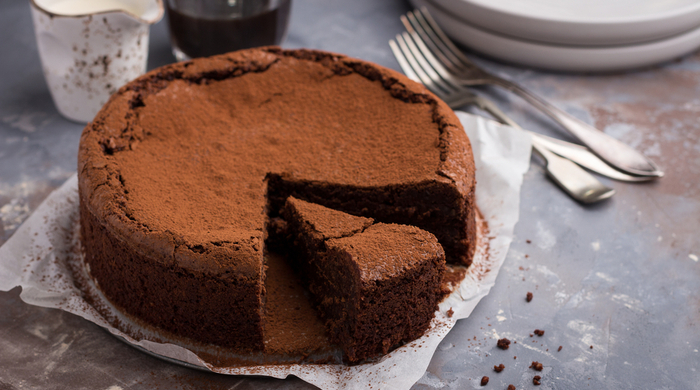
(375, 285)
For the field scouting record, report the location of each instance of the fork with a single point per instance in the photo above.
(458, 96)
(456, 69)
(576, 182)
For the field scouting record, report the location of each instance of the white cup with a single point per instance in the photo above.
(90, 48)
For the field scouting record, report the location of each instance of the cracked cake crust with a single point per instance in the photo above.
(181, 170)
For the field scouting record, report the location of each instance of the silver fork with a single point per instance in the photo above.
(456, 69)
(576, 182)
(458, 96)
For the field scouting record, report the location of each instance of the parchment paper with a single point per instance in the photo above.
(36, 258)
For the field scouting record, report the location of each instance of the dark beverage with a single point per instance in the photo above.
(198, 31)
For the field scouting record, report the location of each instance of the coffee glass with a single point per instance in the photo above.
(200, 28)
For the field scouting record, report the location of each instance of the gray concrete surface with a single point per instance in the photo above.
(622, 277)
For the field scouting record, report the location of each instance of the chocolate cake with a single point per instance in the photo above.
(183, 169)
(375, 285)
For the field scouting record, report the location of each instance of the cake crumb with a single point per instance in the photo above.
(536, 366)
(499, 367)
(536, 380)
(450, 313)
(485, 381)
(511, 387)
(591, 347)
(539, 332)
(528, 241)
(560, 347)
(504, 343)
(528, 297)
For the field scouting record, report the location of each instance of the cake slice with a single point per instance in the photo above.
(375, 285)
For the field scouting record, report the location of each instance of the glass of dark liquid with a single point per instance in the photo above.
(200, 28)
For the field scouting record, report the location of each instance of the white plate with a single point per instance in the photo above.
(580, 22)
(563, 58)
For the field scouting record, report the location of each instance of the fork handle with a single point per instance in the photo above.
(611, 150)
(575, 181)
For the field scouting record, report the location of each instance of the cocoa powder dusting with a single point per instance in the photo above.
(198, 216)
(248, 129)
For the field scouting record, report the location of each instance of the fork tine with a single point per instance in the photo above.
(429, 56)
(424, 78)
(458, 99)
(412, 26)
(437, 47)
(403, 63)
(427, 68)
(441, 39)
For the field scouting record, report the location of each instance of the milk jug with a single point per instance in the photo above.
(90, 48)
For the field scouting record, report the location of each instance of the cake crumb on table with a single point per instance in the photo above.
(511, 387)
(504, 343)
(560, 347)
(591, 347)
(499, 367)
(539, 332)
(536, 366)
(536, 380)
(484, 381)
(528, 297)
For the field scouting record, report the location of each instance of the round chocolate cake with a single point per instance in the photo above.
(183, 176)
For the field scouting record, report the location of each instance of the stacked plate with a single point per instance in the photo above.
(572, 35)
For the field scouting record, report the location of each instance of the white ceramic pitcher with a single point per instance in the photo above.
(90, 48)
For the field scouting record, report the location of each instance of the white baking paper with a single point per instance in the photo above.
(35, 259)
